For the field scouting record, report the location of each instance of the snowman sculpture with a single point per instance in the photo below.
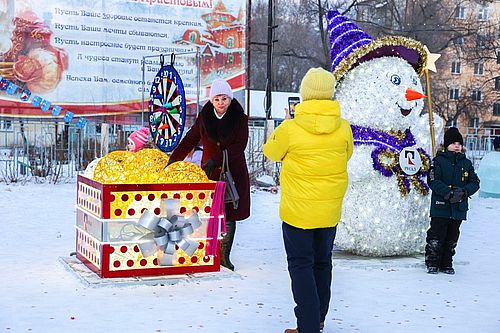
(386, 207)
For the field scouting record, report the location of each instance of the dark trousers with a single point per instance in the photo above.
(442, 238)
(309, 256)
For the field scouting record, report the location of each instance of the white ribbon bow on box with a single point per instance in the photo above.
(167, 232)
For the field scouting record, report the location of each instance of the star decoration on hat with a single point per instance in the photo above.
(431, 59)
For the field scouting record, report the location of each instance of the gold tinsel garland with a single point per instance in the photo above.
(147, 166)
(426, 165)
(400, 135)
(388, 159)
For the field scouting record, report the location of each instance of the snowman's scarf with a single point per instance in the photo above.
(385, 156)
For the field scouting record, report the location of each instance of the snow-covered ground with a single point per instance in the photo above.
(38, 293)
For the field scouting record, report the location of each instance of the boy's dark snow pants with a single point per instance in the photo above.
(442, 238)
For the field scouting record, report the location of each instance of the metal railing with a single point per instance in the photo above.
(478, 142)
(55, 152)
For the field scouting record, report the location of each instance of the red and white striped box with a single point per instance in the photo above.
(103, 210)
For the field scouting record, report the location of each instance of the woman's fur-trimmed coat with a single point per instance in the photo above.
(230, 133)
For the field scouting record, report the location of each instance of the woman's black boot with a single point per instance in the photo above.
(226, 244)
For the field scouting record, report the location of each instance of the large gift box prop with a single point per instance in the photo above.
(125, 230)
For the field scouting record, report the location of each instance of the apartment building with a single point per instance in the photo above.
(466, 88)
(470, 68)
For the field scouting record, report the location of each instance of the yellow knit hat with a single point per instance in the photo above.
(317, 84)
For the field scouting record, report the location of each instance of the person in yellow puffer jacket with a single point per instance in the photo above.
(314, 148)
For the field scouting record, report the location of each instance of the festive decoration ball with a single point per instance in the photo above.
(185, 172)
(89, 170)
(113, 168)
(147, 166)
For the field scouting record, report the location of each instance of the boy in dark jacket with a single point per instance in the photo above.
(452, 180)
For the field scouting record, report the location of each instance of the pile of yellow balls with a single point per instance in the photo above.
(146, 166)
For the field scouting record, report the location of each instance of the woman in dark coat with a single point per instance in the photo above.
(222, 124)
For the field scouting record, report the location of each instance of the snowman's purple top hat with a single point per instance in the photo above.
(350, 46)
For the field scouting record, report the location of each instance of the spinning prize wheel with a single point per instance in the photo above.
(167, 107)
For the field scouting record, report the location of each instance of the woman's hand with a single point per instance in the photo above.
(287, 113)
(208, 167)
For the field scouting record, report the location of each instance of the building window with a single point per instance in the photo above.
(230, 43)
(454, 93)
(478, 68)
(474, 122)
(451, 123)
(477, 95)
(456, 67)
(5, 125)
(230, 59)
(460, 12)
(459, 40)
(481, 41)
(483, 14)
(497, 83)
(496, 109)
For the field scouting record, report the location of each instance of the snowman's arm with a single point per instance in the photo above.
(423, 134)
(276, 146)
(360, 166)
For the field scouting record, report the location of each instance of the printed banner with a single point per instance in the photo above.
(87, 57)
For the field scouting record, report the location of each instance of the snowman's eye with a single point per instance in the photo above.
(395, 79)
(415, 81)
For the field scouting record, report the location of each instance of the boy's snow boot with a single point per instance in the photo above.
(447, 270)
(448, 253)
(432, 270)
(433, 251)
(226, 244)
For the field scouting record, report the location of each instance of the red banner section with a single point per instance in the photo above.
(122, 113)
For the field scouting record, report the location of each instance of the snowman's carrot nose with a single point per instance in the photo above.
(412, 95)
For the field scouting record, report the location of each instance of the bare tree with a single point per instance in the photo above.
(301, 41)
(295, 49)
